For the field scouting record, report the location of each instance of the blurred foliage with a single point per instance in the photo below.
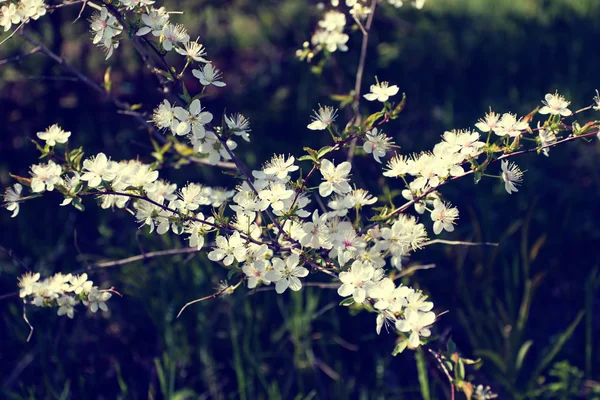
(528, 308)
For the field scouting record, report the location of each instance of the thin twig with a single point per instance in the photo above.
(139, 257)
(458, 243)
(414, 268)
(212, 296)
(359, 73)
(19, 58)
(440, 363)
(15, 258)
(28, 324)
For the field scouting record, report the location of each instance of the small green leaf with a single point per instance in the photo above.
(20, 179)
(305, 158)
(347, 302)
(522, 353)
(460, 370)
(107, 80)
(323, 151)
(400, 347)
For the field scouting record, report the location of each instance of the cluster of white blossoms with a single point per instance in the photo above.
(330, 35)
(191, 123)
(64, 292)
(20, 12)
(106, 28)
(267, 230)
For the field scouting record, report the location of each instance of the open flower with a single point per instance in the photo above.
(417, 324)
(286, 274)
(555, 104)
(54, 134)
(193, 50)
(443, 217)
(381, 91)
(354, 282)
(45, 176)
(209, 75)
(228, 249)
(154, 22)
(239, 125)
(173, 34)
(97, 169)
(510, 125)
(489, 122)
(321, 120)
(336, 178)
(511, 175)
(193, 119)
(377, 143)
(547, 137)
(12, 197)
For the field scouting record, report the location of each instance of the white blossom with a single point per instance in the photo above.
(555, 104)
(417, 324)
(45, 176)
(511, 175)
(286, 273)
(97, 169)
(154, 22)
(208, 75)
(12, 196)
(53, 135)
(443, 217)
(510, 125)
(354, 281)
(228, 249)
(399, 166)
(97, 300)
(193, 50)
(381, 91)
(239, 125)
(193, 119)
(172, 35)
(336, 178)
(333, 21)
(547, 137)
(322, 118)
(489, 122)
(377, 143)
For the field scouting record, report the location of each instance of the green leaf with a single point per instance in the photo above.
(186, 95)
(423, 376)
(399, 107)
(451, 346)
(492, 356)
(522, 353)
(20, 179)
(76, 202)
(556, 348)
(107, 80)
(400, 347)
(370, 121)
(477, 176)
(322, 151)
(460, 370)
(347, 302)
